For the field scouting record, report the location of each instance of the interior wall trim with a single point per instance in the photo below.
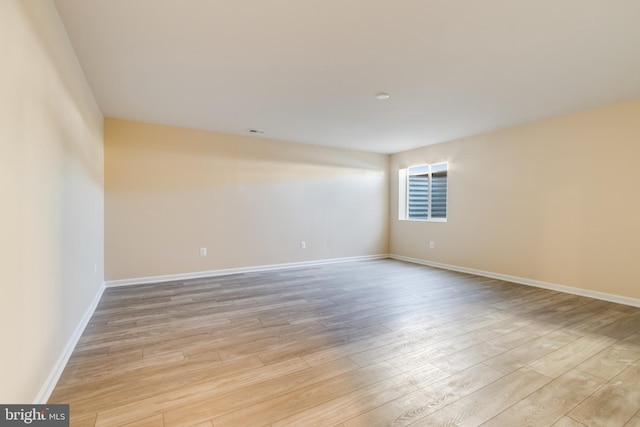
(224, 272)
(619, 299)
(50, 383)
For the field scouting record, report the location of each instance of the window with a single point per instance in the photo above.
(423, 192)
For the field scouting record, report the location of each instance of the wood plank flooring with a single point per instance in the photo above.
(367, 343)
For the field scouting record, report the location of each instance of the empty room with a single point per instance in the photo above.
(320, 213)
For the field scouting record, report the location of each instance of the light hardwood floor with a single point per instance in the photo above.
(368, 343)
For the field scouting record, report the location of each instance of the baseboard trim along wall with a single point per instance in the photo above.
(529, 282)
(224, 272)
(61, 363)
(634, 302)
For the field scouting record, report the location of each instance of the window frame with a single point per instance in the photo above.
(403, 190)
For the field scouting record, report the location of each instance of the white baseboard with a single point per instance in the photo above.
(224, 272)
(524, 281)
(515, 279)
(48, 386)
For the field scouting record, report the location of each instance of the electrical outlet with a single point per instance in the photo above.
(432, 244)
(303, 245)
(203, 251)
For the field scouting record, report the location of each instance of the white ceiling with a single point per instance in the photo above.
(308, 70)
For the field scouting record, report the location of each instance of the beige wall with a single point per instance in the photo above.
(555, 201)
(51, 187)
(250, 201)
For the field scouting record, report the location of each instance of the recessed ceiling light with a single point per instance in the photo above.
(382, 96)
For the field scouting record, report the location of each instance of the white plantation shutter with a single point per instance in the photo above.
(427, 192)
(439, 191)
(418, 196)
